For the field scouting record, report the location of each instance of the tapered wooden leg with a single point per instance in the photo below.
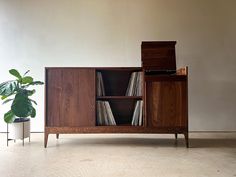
(57, 135)
(176, 136)
(45, 139)
(186, 139)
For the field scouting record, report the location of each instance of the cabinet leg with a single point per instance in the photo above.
(45, 139)
(57, 135)
(176, 136)
(186, 139)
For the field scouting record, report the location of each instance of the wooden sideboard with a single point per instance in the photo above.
(71, 96)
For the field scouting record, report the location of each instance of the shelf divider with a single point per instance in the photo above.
(119, 97)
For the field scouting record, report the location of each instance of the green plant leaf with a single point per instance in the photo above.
(30, 92)
(33, 113)
(3, 97)
(33, 101)
(6, 101)
(9, 117)
(27, 80)
(7, 88)
(15, 73)
(34, 83)
(21, 106)
(26, 72)
(37, 83)
(6, 96)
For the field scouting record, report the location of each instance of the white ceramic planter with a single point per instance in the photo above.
(19, 130)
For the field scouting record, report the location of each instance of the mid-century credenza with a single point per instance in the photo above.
(148, 99)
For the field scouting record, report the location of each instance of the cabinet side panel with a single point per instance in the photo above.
(70, 97)
(166, 104)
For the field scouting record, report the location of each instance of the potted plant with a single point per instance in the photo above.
(17, 93)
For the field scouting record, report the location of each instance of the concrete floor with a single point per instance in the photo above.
(210, 155)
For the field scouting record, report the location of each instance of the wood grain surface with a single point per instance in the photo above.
(70, 97)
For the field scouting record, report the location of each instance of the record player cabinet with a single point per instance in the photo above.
(70, 96)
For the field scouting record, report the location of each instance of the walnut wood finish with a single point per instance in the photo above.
(166, 104)
(70, 96)
(119, 98)
(115, 129)
(167, 101)
(159, 95)
(158, 55)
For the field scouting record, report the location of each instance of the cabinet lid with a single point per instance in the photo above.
(158, 55)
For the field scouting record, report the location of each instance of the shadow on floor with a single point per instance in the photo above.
(150, 142)
(132, 142)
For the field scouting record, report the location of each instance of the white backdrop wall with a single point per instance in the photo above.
(35, 34)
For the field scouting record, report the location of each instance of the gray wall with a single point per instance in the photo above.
(35, 34)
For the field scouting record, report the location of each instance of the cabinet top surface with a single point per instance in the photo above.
(98, 68)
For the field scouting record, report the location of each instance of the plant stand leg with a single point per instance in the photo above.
(45, 139)
(57, 135)
(23, 134)
(186, 139)
(29, 134)
(7, 134)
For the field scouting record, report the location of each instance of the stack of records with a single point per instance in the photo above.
(135, 84)
(100, 85)
(137, 119)
(104, 114)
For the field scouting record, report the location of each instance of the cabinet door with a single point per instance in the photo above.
(166, 104)
(70, 97)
